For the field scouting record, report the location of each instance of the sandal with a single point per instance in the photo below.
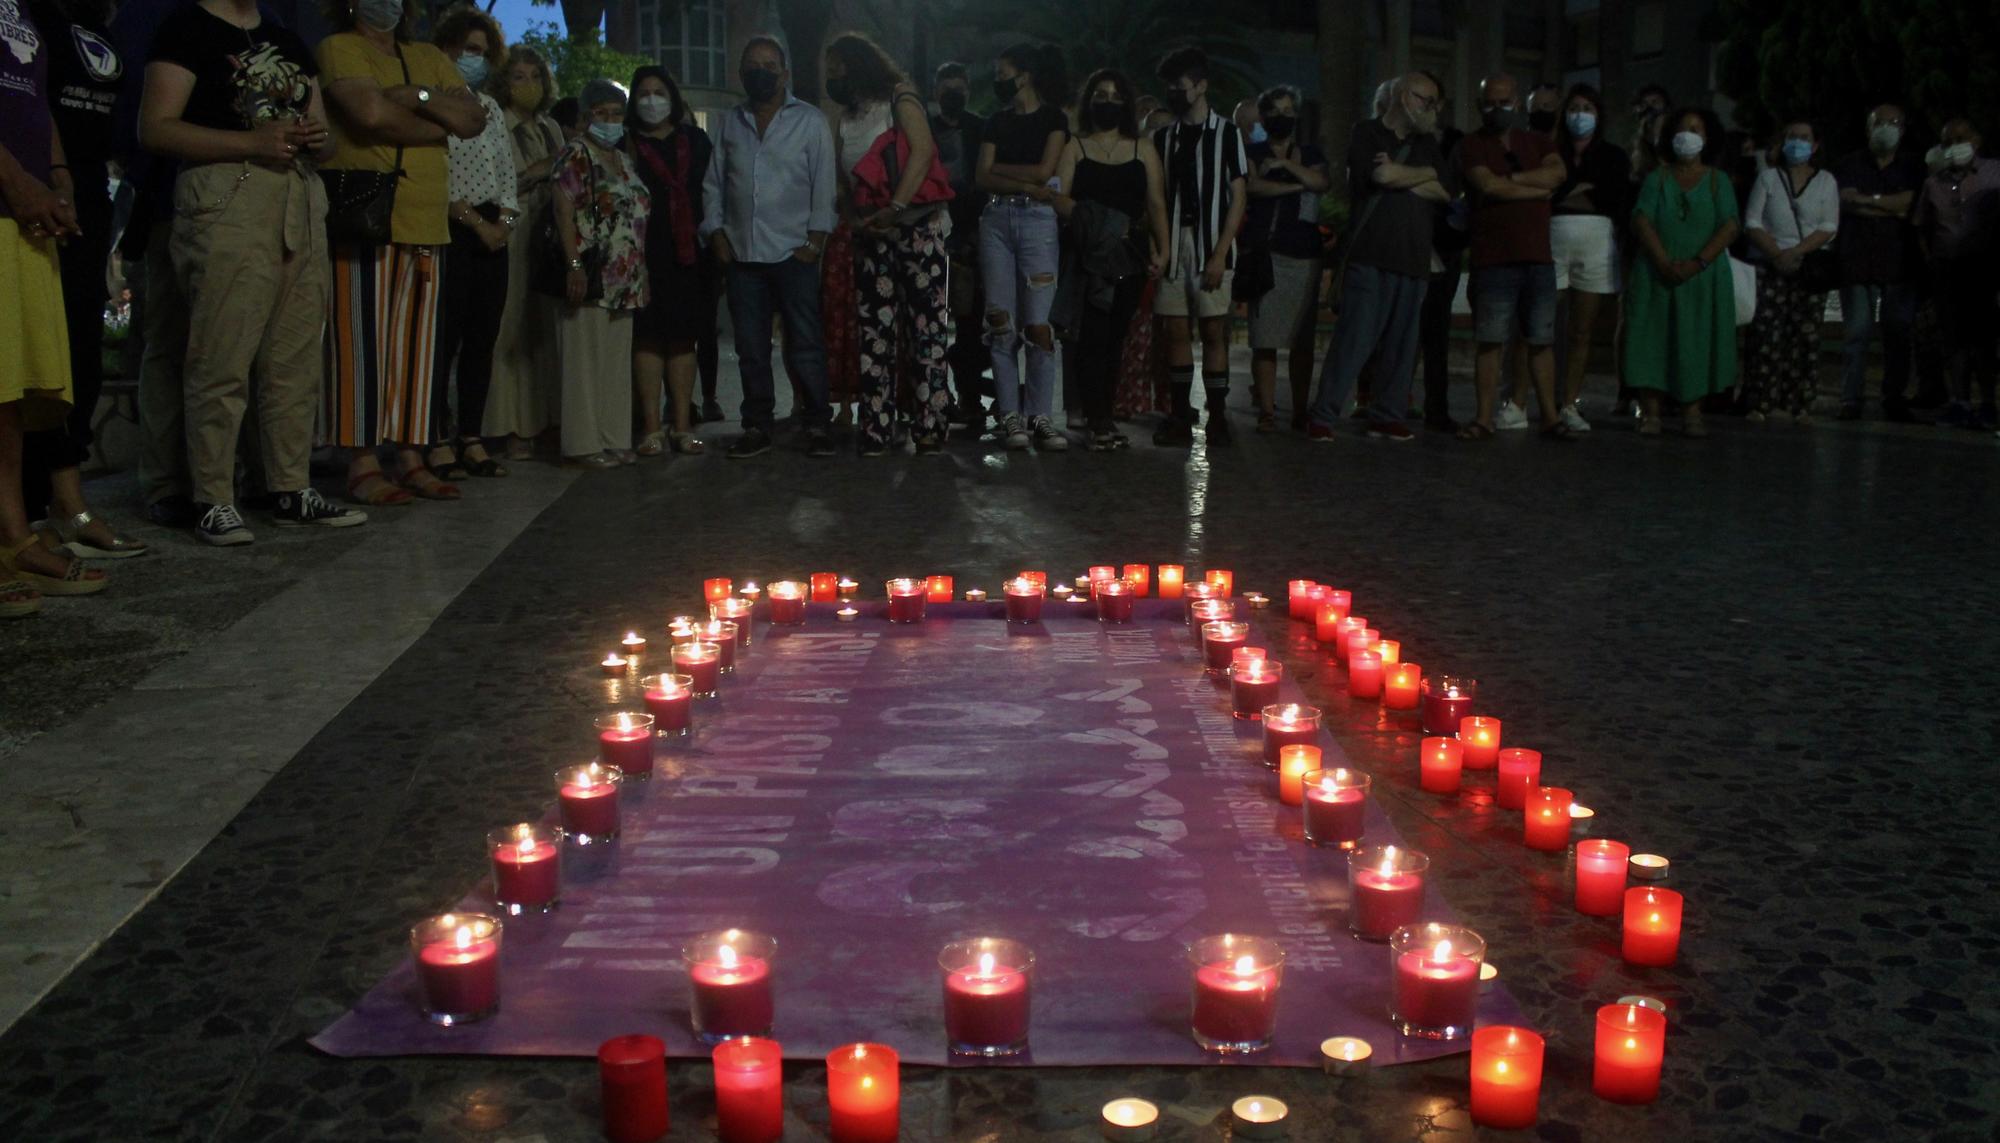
(1650, 427)
(1475, 431)
(687, 444)
(18, 600)
(520, 448)
(652, 444)
(1558, 432)
(1267, 422)
(70, 532)
(75, 579)
(484, 466)
(591, 460)
(426, 484)
(385, 494)
(447, 469)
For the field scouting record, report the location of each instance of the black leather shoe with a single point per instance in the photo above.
(1174, 433)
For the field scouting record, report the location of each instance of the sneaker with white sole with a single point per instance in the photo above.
(1048, 438)
(1574, 419)
(307, 508)
(1014, 432)
(1510, 416)
(223, 526)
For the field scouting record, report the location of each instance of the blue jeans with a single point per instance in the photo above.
(790, 290)
(1379, 317)
(1515, 299)
(1017, 245)
(1857, 310)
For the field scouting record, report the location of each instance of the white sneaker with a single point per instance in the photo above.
(1014, 432)
(1048, 438)
(1574, 419)
(1509, 416)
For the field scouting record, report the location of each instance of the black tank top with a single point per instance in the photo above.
(1120, 186)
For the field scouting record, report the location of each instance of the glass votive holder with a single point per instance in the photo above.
(1447, 699)
(1235, 980)
(1140, 576)
(1436, 980)
(736, 611)
(1480, 735)
(1364, 675)
(1254, 687)
(1388, 650)
(1399, 686)
(588, 797)
(1440, 765)
(825, 587)
(722, 633)
(938, 588)
(701, 664)
(1545, 819)
(625, 740)
(457, 957)
(1024, 601)
(527, 868)
(1299, 600)
(1336, 807)
(906, 600)
(864, 1094)
(1173, 581)
(1289, 724)
(986, 989)
(729, 977)
(1114, 601)
(1242, 656)
(714, 589)
(670, 700)
(749, 1090)
(1294, 763)
(1385, 890)
(1203, 605)
(1520, 773)
(788, 603)
(1219, 640)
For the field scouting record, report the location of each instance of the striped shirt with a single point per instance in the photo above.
(1219, 160)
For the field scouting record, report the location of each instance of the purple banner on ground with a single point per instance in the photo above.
(867, 792)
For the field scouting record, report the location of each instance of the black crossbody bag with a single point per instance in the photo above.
(361, 205)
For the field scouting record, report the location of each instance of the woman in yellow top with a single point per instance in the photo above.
(386, 93)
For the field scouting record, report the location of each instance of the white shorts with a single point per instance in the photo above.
(1181, 295)
(1586, 253)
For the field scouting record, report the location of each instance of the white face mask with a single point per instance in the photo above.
(1688, 144)
(1959, 154)
(1885, 139)
(653, 109)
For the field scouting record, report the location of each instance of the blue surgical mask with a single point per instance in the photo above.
(473, 67)
(609, 134)
(1582, 123)
(1258, 134)
(1798, 152)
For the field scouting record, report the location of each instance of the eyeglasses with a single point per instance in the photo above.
(1426, 102)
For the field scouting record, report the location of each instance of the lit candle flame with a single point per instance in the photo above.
(1501, 1065)
(1631, 1045)
(1654, 919)
(1245, 965)
(463, 936)
(632, 637)
(624, 721)
(448, 920)
(986, 964)
(1388, 860)
(727, 955)
(526, 846)
(1442, 952)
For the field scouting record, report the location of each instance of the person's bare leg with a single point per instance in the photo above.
(1264, 380)
(1649, 407)
(1518, 374)
(1542, 366)
(13, 506)
(1582, 326)
(1486, 379)
(364, 474)
(648, 367)
(680, 384)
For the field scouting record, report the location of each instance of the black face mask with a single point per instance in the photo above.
(1106, 115)
(1541, 120)
(1280, 127)
(951, 101)
(1178, 101)
(1498, 118)
(760, 84)
(1005, 88)
(840, 91)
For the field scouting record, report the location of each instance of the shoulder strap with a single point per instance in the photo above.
(397, 168)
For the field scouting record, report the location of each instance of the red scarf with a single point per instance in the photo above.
(680, 209)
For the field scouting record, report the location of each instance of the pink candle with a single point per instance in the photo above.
(1336, 807)
(1289, 724)
(749, 1090)
(1399, 686)
(825, 587)
(1326, 622)
(1631, 1046)
(1254, 687)
(1294, 763)
(458, 966)
(1545, 819)
(1364, 675)
(670, 700)
(788, 603)
(1437, 980)
(1652, 935)
(986, 989)
(1298, 598)
(1385, 890)
(1600, 877)
(1114, 601)
(1506, 1076)
(1219, 640)
(1024, 601)
(588, 796)
(736, 611)
(1140, 576)
(1440, 765)
(701, 663)
(864, 1094)
(1447, 699)
(1480, 736)
(625, 740)
(1098, 573)
(1171, 580)
(526, 868)
(729, 973)
(1359, 641)
(1520, 771)
(1343, 631)
(1236, 982)
(906, 600)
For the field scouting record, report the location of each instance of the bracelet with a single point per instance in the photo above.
(54, 167)
(898, 207)
(576, 263)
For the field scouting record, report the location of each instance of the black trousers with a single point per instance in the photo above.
(469, 305)
(1434, 340)
(83, 261)
(1100, 346)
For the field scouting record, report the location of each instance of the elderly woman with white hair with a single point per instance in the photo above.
(601, 209)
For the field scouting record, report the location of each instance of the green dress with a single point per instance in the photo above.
(1682, 340)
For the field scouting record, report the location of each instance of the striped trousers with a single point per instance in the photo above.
(381, 345)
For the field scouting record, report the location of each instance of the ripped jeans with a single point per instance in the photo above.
(1018, 256)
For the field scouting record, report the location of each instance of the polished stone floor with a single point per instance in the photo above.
(1770, 655)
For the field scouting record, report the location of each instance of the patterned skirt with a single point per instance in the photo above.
(381, 344)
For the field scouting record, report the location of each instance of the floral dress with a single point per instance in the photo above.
(611, 207)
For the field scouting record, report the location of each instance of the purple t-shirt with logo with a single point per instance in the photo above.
(24, 106)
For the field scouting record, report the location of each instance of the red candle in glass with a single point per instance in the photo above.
(1436, 986)
(1172, 580)
(625, 740)
(1480, 736)
(1545, 819)
(1506, 1076)
(1243, 656)
(1447, 699)
(749, 1090)
(906, 600)
(938, 588)
(736, 611)
(1297, 601)
(527, 864)
(1326, 619)
(1254, 687)
(1399, 686)
(729, 974)
(670, 700)
(1114, 601)
(1289, 724)
(1202, 610)
(1359, 641)
(1219, 640)
(1236, 980)
(1385, 890)
(1364, 675)
(788, 603)
(1390, 650)
(588, 796)
(1600, 877)
(1631, 1045)
(1520, 772)
(722, 633)
(714, 589)
(1097, 573)
(1294, 763)
(458, 967)
(1440, 765)
(1024, 601)
(1140, 576)
(825, 587)
(1224, 582)
(1652, 926)
(1336, 807)
(701, 663)
(986, 990)
(864, 1094)
(1343, 629)
(632, 1070)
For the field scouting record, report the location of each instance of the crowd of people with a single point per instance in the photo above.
(406, 250)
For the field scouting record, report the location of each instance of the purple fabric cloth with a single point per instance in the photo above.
(867, 792)
(24, 110)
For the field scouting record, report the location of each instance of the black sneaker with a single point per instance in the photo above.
(173, 512)
(819, 442)
(1174, 432)
(753, 442)
(307, 508)
(711, 412)
(1218, 430)
(222, 526)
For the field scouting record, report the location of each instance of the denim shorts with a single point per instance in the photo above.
(1514, 299)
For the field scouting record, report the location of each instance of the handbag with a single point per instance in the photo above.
(876, 176)
(548, 268)
(1819, 271)
(361, 205)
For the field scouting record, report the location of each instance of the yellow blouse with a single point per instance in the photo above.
(421, 195)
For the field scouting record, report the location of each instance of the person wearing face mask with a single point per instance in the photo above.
(1680, 300)
(768, 206)
(1448, 242)
(1287, 177)
(957, 133)
(1249, 119)
(521, 402)
(1794, 210)
(393, 103)
(1588, 210)
(1545, 104)
(1878, 189)
(1510, 174)
(1958, 226)
(672, 155)
(485, 211)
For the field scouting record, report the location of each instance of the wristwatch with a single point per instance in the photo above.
(423, 95)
